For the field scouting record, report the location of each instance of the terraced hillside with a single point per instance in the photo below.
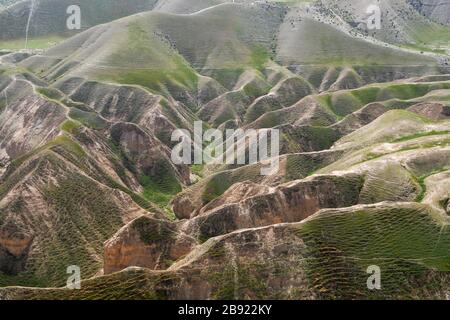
(87, 178)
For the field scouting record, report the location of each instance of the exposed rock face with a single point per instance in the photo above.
(240, 265)
(290, 261)
(151, 243)
(292, 167)
(236, 194)
(41, 217)
(287, 203)
(284, 94)
(360, 118)
(183, 207)
(14, 246)
(27, 121)
(146, 242)
(435, 111)
(129, 104)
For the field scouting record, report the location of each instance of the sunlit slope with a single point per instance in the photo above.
(311, 42)
(405, 241)
(225, 36)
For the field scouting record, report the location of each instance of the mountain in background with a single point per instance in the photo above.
(86, 176)
(438, 11)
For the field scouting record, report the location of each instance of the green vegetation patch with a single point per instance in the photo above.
(50, 93)
(83, 217)
(259, 58)
(158, 67)
(406, 242)
(160, 185)
(89, 119)
(420, 135)
(70, 126)
(151, 231)
(33, 43)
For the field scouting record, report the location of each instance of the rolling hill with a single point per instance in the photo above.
(87, 177)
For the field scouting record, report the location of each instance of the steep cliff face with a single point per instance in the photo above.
(287, 203)
(146, 242)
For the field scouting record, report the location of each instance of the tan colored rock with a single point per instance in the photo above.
(291, 202)
(434, 111)
(183, 206)
(15, 243)
(14, 247)
(235, 194)
(146, 242)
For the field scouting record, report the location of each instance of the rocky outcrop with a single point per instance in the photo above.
(434, 111)
(14, 247)
(237, 193)
(153, 244)
(130, 104)
(291, 202)
(146, 242)
(291, 167)
(85, 145)
(305, 112)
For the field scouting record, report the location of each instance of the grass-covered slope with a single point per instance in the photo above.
(408, 242)
(47, 18)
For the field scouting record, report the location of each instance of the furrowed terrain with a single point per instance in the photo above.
(87, 179)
